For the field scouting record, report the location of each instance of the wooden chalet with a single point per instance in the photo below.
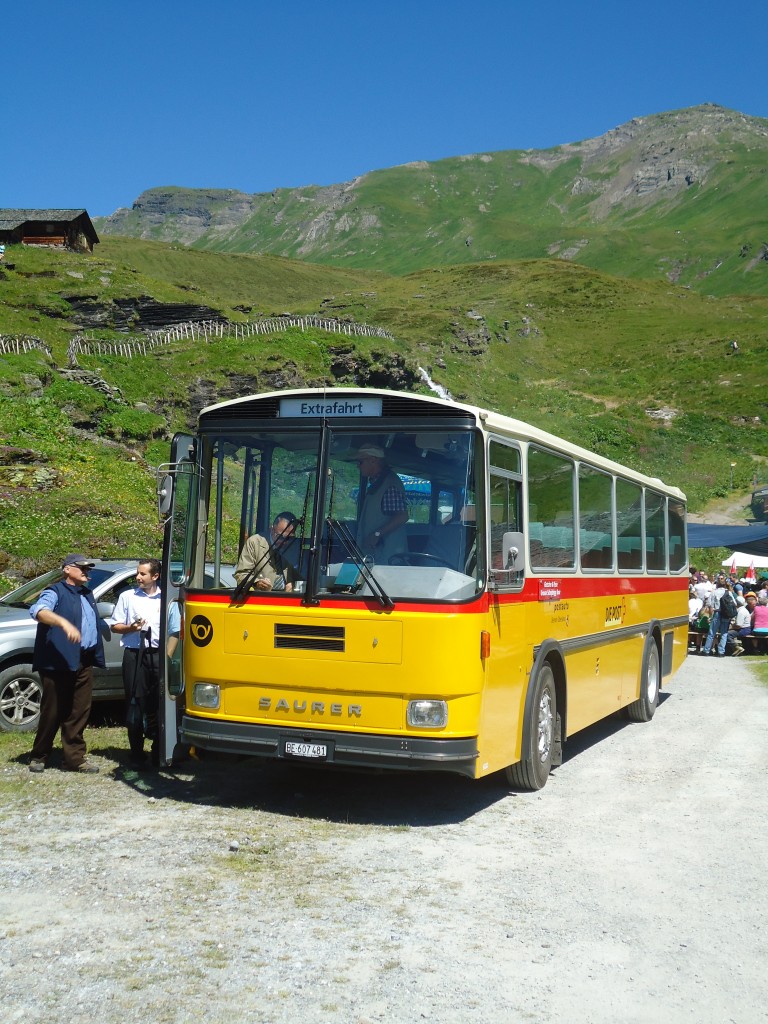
(67, 228)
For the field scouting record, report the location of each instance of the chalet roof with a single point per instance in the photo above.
(10, 219)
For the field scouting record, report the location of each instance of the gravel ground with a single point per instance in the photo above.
(631, 889)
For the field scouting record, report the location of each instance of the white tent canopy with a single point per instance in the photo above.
(744, 561)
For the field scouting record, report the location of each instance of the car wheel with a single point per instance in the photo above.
(20, 693)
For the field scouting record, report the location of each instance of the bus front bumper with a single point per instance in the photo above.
(366, 750)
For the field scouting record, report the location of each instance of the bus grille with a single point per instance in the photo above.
(309, 638)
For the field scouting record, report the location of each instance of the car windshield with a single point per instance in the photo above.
(26, 595)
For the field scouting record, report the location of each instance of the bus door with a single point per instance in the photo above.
(177, 495)
(508, 666)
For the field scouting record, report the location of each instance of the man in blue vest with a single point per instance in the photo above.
(67, 646)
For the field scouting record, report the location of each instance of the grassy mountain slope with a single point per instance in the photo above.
(638, 371)
(680, 196)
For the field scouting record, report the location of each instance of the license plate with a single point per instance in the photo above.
(317, 751)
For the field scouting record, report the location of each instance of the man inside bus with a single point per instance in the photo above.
(264, 559)
(384, 513)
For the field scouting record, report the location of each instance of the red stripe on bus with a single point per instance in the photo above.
(567, 589)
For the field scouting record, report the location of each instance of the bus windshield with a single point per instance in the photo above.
(336, 512)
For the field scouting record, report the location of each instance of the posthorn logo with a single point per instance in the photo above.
(200, 631)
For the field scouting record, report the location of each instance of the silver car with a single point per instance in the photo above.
(20, 687)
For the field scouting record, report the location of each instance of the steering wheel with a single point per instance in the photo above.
(417, 558)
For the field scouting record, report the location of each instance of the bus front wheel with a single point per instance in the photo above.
(643, 708)
(532, 770)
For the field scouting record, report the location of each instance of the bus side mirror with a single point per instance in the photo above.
(512, 551)
(164, 494)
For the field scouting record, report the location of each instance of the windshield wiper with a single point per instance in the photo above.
(349, 542)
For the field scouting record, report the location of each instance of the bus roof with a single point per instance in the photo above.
(488, 420)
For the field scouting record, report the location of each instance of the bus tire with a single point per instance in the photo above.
(532, 770)
(642, 710)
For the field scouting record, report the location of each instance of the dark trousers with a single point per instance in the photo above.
(65, 705)
(141, 678)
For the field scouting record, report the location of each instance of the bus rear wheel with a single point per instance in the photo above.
(642, 710)
(532, 770)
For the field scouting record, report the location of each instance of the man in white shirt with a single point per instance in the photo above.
(703, 589)
(136, 618)
(718, 624)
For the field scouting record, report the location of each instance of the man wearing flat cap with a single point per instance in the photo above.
(380, 530)
(67, 646)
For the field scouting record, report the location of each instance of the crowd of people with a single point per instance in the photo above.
(728, 616)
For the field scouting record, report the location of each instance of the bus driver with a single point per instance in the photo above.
(265, 558)
(380, 530)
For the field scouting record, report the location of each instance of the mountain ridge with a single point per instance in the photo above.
(671, 196)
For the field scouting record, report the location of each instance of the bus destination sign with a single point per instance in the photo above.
(312, 408)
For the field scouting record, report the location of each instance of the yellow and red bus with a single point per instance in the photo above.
(537, 587)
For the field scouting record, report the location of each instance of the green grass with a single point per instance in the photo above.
(599, 352)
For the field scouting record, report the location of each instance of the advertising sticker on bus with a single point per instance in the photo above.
(549, 590)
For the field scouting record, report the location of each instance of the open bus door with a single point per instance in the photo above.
(176, 493)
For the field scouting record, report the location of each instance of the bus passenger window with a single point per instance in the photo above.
(595, 518)
(655, 546)
(678, 556)
(629, 526)
(551, 495)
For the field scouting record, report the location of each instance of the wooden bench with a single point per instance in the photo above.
(695, 639)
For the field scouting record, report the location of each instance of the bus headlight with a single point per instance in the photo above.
(427, 714)
(206, 695)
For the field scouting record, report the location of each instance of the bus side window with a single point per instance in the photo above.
(595, 518)
(655, 520)
(629, 533)
(678, 556)
(551, 493)
(505, 515)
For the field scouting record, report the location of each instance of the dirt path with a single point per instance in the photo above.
(735, 510)
(631, 889)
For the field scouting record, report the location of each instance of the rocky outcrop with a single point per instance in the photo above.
(180, 214)
(143, 313)
(92, 380)
(471, 340)
(23, 470)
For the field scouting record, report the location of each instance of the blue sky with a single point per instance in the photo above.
(100, 101)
